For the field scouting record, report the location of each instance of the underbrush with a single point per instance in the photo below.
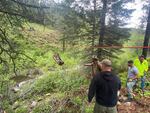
(58, 93)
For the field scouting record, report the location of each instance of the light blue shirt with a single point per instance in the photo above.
(132, 72)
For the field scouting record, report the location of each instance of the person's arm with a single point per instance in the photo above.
(92, 89)
(89, 64)
(119, 86)
(93, 71)
(99, 65)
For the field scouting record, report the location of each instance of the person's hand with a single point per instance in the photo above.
(130, 80)
(118, 93)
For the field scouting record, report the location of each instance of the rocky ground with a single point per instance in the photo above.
(141, 104)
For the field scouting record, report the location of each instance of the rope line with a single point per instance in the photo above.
(118, 47)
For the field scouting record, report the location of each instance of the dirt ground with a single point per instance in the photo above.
(140, 104)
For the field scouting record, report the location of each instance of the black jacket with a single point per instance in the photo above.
(104, 86)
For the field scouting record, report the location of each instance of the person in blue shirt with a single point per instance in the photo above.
(131, 79)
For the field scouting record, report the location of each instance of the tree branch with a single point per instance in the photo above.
(8, 52)
(28, 57)
(29, 5)
(12, 13)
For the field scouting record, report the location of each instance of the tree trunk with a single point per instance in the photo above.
(147, 36)
(64, 45)
(94, 25)
(102, 27)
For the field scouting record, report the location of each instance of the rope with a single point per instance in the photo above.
(118, 47)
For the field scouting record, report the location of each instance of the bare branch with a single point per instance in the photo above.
(28, 57)
(4, 37)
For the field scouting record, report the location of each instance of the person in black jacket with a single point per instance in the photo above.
(104, 86)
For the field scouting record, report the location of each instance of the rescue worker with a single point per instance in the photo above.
(142, 66)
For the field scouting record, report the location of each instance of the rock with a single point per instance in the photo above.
(22, 83)
(33, 104)
(128, 103)
(48, 94)
(118, 103)
(16, 105)
(15, 89)
(122, 98)
(35, 71)
(30, 76)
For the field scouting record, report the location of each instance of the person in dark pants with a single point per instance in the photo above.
(104, 86)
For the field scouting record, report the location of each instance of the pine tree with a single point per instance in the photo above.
(102, 27)
(112, 31)
(13, 14)
(94, 24)
(89, 16)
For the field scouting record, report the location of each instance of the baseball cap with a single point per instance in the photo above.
(106, 62)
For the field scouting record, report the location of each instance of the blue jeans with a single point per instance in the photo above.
(130, 88)
(143, 78)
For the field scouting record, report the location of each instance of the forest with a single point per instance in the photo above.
(46, 44)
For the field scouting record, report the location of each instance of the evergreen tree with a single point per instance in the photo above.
(113, 31)
(13, 14)
(91, 15)
(147, 32)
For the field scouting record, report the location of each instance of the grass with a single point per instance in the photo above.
(68, 89)
(59, 84)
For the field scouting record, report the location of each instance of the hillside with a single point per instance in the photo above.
(42, 86)
(52, 50)
(42, 82)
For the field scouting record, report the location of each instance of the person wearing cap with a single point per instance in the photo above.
(131, 79)
(104, 86)
(142, 66)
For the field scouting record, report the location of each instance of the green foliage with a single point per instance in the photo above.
(44, 85)
(7, 107)
(123, 77)
(22, 109)
(89, 110)
(35, 45)
(57, 82)
(42, 108)
(147, 93)
(120, 64)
